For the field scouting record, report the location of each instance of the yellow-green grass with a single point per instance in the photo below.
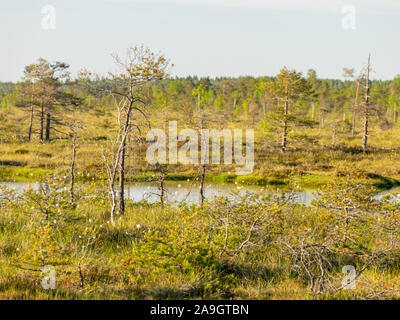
(263, 275)
(310, 157)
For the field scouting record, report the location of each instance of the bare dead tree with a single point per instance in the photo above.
(74, 138)
(204, 160)
(125, 128)
(74, 127)
(355, 107)
(112, 170)
(200, 92)
(285, 120)
(161, 187)
(366, 106)
(203, 176)
(139, 67)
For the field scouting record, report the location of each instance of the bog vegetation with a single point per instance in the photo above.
(83, 137)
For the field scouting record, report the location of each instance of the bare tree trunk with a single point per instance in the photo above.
(284, 136)
(122, 163)
(73, 168)
(366, 107)
(122, 182)
(162, 189)
(48, 123)
(41, 122)
(30, 125)
(111, 174)
(203, 177)
(285, 122)
(353, 126)
(204, 162)
(82, 283)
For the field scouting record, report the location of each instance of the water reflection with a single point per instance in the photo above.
(182, 191)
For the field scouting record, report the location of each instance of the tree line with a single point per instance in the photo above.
(51, 98)
(47, 92)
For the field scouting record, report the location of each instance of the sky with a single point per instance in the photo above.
(205, 37)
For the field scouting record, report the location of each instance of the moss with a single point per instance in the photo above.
(262, 181)
(22, 174)
(384, 183)
(312, 180)
(304, 180)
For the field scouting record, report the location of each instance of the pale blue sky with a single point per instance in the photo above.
(205, 37)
